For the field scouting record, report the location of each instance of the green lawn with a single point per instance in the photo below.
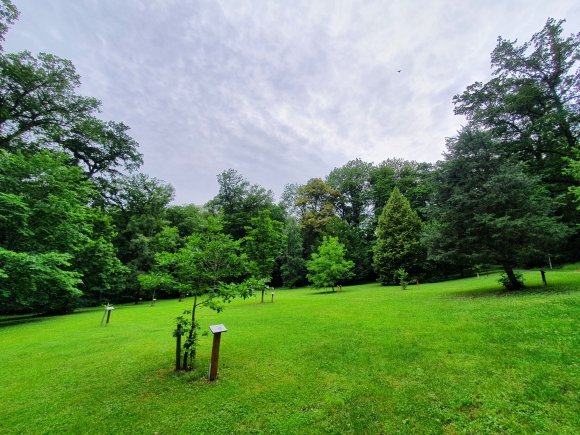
(452, 357)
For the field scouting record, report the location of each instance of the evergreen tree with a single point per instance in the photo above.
(487, 209)
(398, 238)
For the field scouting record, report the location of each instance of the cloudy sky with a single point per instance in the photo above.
(281, 91)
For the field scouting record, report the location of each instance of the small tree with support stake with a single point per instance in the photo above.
(203, 267)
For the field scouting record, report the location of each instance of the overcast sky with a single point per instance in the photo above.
(281, 91)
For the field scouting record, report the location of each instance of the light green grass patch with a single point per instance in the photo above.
(450, 357)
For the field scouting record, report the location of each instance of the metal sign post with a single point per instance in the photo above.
(215, 350)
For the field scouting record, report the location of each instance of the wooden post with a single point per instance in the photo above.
(544, 278)
(215, 350)
(108, 309)
(178, 348)
(272, 297)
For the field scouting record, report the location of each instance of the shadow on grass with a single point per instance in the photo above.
(21, 319)
(326, 292)
(499, 292)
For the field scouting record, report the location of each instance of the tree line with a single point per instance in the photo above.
(80, 225)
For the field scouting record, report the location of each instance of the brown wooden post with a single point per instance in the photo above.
(178, 348)
(215, 350)
(544, 278)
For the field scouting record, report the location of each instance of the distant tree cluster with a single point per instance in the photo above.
(80, 225)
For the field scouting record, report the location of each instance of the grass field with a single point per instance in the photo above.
(452, 357)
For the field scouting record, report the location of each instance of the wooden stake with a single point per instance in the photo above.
(178, 349)
(215, 350)
(215, 353)
(544, 278)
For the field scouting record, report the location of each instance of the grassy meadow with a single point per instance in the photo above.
(451, 357)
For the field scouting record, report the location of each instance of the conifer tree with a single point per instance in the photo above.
(398, 238)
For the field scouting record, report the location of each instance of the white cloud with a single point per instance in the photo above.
(281, 91)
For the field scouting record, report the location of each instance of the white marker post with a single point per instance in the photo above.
(215, 351)
(107, 312)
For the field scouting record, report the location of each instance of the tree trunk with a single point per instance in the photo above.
(515, 284)
(189, 355)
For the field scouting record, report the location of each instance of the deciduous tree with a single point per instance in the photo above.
(328, 265)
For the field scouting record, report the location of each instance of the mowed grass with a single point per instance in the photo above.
(452, 357)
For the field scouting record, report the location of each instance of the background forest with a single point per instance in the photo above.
(80, 225)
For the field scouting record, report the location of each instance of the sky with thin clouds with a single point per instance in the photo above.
(281, 91)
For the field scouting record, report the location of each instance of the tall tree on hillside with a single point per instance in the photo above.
(487, 209)
(398, 239)
(532, 106)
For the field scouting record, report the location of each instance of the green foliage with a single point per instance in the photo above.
(316, 204)
(38, 94)
(188, 219)
(101, 148)
(410, 177)
(573, 169)
(48, 228)
(530, 107)
(398, 238)
(352, 181)
(509, 283)
(208, 266)
(293, 268)
(403, 277)
(41, 109)
(8, 15)
(38, 281)
(488, 210)
(139, 213)
(263, 244)
(328, 265)
(238, 202)
(356, 243)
